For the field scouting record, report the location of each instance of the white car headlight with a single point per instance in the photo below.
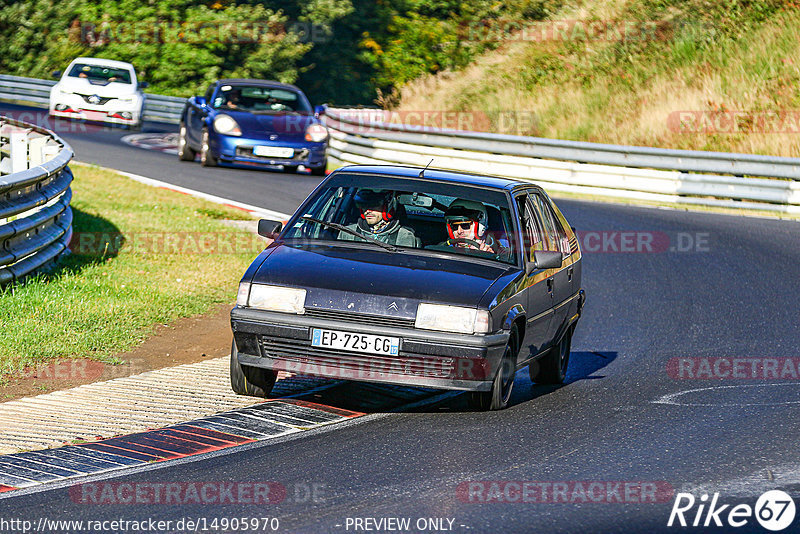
(225, 124)
(316, 133)
(272, 298)
(452, 319)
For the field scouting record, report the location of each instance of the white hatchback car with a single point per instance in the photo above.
(98, 90)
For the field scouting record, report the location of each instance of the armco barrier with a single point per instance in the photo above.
(360, 136)
(35, 92)
(644, 173)
(35, 217)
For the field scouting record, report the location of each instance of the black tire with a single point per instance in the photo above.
(497, 398)
(207, 159)
(185, 152)
(250, 381)
(552, 367)
(290, 168)
(319, 171)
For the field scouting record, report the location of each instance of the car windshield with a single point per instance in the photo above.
(409, 214)
(260, 99)
(100, 74)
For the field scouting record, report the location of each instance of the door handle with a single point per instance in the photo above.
(549, 285)
(569, 274)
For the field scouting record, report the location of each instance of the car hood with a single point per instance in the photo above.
(360, 280)
(285, 126)
(85, 87)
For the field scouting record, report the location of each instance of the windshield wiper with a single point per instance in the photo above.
(347, 230)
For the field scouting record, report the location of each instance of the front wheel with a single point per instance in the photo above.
(497, 398)
(552, 367)
(250, 381)
(207, 159)
(185, 152)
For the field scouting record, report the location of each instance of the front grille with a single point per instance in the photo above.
(301, 357)
(101, 102)
(360, 318)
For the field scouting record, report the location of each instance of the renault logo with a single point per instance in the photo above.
(273, 137)
(94, 99)
(393, 306)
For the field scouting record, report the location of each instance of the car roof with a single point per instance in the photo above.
(253, 81)
(103, 62)
(482, 180)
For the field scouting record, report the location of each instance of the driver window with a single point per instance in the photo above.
(556, 233)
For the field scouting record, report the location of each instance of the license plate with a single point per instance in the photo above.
(336, 339)
(95, 115)
(273, 151)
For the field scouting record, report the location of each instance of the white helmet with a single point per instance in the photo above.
(467, 210)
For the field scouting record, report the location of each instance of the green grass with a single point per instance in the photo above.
(104, 299)
(731, 56)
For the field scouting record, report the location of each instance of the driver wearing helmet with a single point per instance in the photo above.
(467, 221)
(378, 220)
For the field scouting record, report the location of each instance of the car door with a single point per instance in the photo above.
(559, 280)
(538, 299)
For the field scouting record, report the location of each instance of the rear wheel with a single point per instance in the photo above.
(251, 381)
(497, 398)
(207, 159)
(185, 152)
(552, 367)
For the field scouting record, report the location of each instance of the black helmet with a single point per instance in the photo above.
(383, 201)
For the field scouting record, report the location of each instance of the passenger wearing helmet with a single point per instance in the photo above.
(378, 219)
(467, 221)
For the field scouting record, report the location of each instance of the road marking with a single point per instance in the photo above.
(675, 398)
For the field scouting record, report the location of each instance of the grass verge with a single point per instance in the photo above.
(142, 256)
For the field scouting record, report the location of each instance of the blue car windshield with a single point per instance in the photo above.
(409, 214)
(260, 99)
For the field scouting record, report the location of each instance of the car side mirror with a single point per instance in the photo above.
(144, 85)
(56, 74)
(200, 101)
(547, 259)
(268, 228)
(319, 110)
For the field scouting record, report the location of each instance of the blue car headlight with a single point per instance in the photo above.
(226, 125)
(316, 133)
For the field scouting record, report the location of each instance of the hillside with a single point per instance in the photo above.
(672, 73)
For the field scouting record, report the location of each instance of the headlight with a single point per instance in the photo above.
(316, 133)
(275, 298)
(225, 124)
(452, 319)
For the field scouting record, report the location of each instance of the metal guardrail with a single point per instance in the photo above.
(35, 216)
(359, 136)
(35, 92)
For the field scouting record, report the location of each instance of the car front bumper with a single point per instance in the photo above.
(232, 149)
(442, 360)
(114, 111)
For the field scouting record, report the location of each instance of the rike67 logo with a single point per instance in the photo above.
(774, 510)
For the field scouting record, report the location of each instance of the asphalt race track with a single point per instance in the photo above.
(648, 403)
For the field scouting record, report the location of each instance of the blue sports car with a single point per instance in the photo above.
(253, 122)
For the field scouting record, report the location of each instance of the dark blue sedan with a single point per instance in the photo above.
(416, 277)
(253, 122)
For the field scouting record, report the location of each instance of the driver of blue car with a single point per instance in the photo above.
(467, 222)
(378, 219)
